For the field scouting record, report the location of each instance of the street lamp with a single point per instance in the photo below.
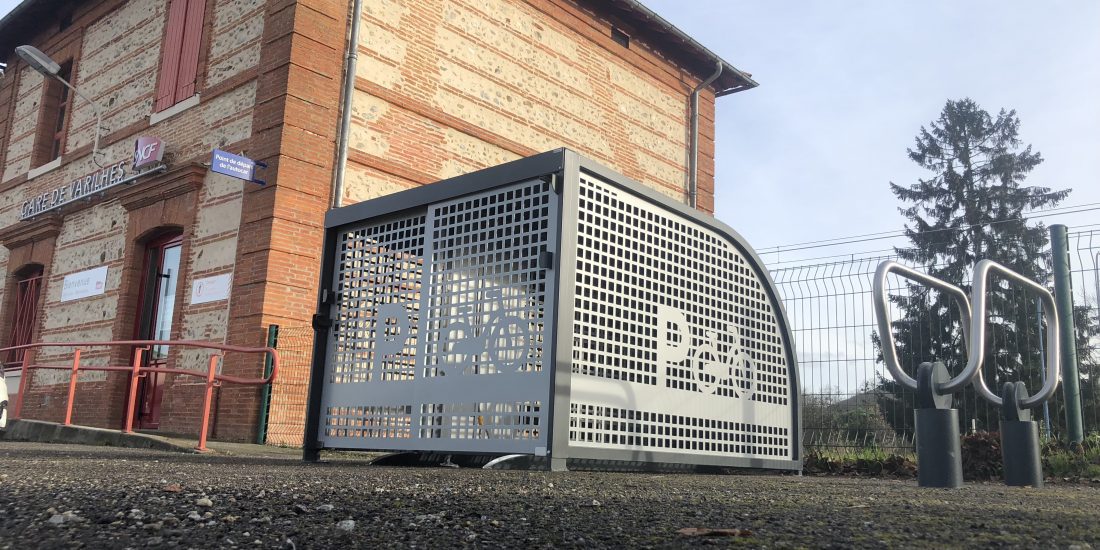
(50, 69)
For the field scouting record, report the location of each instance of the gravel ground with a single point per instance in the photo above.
(59, 496)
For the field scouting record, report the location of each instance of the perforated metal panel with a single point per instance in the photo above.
(440, 325)
(676, 347)
(553, 308)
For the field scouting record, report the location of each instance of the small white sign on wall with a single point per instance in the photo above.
(211, 289)
(86, 283)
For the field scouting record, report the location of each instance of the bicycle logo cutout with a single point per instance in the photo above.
(503, 338)
(709, 368)
(479, 343)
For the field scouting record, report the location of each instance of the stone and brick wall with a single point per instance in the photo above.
(25, 87)
(446, 87)
(117, 63)
(294, 131)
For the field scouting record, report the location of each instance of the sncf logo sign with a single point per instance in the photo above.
(148, 150)
(148, 155)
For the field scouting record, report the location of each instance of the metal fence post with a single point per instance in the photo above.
(265, 399)
(131, 400)
(1043, 365)
(208, 398)
(1063, 294)
(74, 376)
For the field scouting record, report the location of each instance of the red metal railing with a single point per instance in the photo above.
(137, 370)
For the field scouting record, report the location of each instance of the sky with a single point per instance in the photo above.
(845, 85)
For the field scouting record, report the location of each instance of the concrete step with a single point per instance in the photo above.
(52, 432)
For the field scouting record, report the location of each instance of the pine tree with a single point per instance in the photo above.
(971, 208)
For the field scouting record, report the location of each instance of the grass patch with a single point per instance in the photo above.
(981, 460)
(870, 462)
(1077, 463)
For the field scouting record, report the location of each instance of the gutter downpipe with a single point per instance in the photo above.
(345, 106)
(693, 155)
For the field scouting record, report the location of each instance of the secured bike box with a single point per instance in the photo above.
(552, 308)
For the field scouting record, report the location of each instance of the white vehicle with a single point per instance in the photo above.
(3, 400)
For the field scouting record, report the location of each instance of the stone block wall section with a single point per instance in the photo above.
(25, 94)
(446, 87)
(294, 130)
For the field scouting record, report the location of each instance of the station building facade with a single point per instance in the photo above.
(140, 239)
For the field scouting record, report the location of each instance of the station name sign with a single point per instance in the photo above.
(147, 151)
(77, 189)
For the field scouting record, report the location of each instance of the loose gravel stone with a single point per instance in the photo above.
(260, 499)
(204, 503)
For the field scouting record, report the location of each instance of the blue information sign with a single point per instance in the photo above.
(234, 165)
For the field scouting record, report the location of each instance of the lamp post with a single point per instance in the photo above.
(50, 69)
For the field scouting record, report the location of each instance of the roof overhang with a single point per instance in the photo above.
(24, 22)
(674, 44)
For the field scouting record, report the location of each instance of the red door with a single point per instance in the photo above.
(27, 290)
(155, 311)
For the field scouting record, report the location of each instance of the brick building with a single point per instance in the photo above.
(440, 88)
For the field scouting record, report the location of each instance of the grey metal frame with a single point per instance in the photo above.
(563, 168)
(336, 220)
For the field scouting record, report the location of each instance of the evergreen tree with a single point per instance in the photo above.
(970, 208)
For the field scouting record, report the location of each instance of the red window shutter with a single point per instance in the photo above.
(189, 53)
(170, 56)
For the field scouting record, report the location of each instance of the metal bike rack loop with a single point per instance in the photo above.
(939, 457)
(1019, 434)
(937, 428)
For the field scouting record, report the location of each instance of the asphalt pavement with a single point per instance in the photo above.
(63, 496)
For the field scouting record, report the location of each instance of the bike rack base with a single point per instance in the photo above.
(939, 457)
(1020, 451)
(1019, 439)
